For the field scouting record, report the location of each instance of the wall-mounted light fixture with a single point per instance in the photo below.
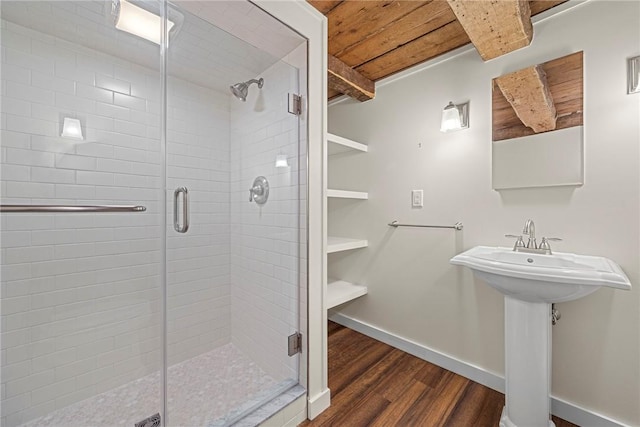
(281, 161)
(138, 21)
(455, 117)
(71, 128)
(633, 75)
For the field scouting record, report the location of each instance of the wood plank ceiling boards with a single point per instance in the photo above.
(379, 38)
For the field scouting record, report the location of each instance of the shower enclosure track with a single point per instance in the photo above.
(72, 208)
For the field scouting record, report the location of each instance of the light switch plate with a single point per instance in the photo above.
(416, 198)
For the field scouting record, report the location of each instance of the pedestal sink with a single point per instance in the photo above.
(530, 284)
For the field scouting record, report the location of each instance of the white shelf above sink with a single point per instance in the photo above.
(338, 244)
(339, 292)
(343, 194)
(341, 144)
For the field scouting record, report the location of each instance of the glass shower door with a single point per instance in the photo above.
(233, 275)
(81, 299)
(89, 181)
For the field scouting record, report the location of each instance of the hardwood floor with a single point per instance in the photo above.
(373, 384)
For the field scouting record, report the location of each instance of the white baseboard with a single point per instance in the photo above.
(560, 408)
(318, 403)
(581, 416)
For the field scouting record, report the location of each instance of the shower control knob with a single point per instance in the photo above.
(259, 191)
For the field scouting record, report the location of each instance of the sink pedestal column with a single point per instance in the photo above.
(527, 364)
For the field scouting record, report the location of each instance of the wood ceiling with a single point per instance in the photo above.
(376, 39)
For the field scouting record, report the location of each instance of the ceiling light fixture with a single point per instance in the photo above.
(455, 117)
(138, 21)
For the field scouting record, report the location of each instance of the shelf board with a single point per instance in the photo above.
(341, 144)
(343, 194)
(338, 244)
(339, 292)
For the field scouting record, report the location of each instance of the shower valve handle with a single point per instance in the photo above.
(259, 191)
(256, 190)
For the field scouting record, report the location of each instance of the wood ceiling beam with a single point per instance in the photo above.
(346, 80)
(538, 6)
(332, 93)
(528, 93)
(381, 38)
(495, 27)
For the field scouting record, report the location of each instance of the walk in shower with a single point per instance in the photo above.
(153, 228)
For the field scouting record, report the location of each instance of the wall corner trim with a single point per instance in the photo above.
(561, 408)
(318, 404)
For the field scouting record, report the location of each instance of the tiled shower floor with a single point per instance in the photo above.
(200, 391)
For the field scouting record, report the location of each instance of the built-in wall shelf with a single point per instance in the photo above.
(343, 194)
(339, 292)
(341, 145)
(339, 244)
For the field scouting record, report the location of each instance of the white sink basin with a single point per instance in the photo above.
(530, 283)
(542, 278)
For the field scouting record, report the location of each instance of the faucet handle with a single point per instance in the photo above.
(544, 244)
(519, 242)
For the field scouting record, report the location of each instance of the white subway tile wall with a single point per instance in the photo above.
(265, 239)
(205, 53)
(198, 317)
(80, 293)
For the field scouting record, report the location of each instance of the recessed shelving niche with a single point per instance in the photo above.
(344, 194)
(341, 291)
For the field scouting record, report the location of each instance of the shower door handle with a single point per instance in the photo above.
(185, 210)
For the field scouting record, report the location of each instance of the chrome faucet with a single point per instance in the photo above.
(530, 230)
(532, 245)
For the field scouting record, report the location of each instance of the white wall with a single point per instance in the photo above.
(414, 292)
(81, 293)
(265, 238)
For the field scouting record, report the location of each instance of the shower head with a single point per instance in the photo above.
(240, 90)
